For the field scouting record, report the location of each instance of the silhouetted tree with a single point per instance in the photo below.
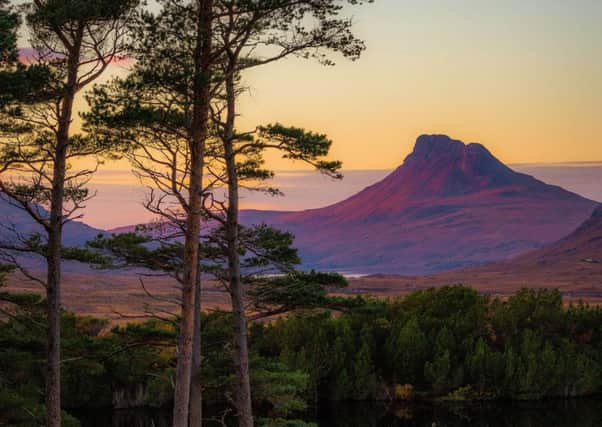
(160, 112)
(9, 24)
(285, 27)
(171, 78)
(74, 42)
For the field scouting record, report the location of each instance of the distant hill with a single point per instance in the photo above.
(572, 264)
(584, 245)
(75, 232)
(449, 205)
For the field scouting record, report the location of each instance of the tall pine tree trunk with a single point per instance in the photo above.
(53, 296)
(55, 235)
(199, 132)
(187, 322)
(196, 389)
(243, 399)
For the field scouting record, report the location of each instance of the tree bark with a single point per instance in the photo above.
(199, 132)
(196, 389)
(243, 399)
(55, 234)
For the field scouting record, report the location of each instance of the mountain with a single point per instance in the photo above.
(583, 246)
(449, 205)
(11, 217)
(572, 264)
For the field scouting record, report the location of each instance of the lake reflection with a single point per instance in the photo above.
(547, 413)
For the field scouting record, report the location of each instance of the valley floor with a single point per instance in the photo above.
(120, 296)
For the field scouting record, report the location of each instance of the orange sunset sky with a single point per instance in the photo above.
(522, 77)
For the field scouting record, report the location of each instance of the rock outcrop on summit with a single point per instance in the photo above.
(449, 205)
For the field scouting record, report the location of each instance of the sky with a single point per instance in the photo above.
(522, 77)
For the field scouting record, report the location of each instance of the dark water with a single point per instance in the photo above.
(548, 413)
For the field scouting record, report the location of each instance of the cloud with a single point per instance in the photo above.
(29, 55)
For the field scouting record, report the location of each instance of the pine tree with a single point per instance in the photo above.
(438, 371)
(364, 377)
(407, 349)
(75, 41)
(9, 24)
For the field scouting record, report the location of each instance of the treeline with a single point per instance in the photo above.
(449, 343)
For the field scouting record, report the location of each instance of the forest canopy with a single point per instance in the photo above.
(449, 343)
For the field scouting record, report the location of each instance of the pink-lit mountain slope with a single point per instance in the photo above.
(583, 246)
(449, 205)
(572, 264)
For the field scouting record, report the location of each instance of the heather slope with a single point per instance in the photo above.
(572, 264)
